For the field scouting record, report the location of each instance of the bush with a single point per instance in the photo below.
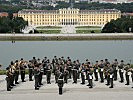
(10, 24)
(121, 25)
(92, 32)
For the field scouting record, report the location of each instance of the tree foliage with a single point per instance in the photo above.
(10, 25)
(121, 25)
(11, 9)
(124, 7)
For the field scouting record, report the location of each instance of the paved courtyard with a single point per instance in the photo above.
(25, 91)
(68, 29)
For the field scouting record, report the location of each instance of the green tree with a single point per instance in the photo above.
(120, 25)
(10, 25)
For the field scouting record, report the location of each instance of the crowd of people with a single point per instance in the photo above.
(65, 69)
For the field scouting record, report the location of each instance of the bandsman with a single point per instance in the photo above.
(105, 66)
(8, 78)
(88, 70)
(69, 64)
(96, 71)
(63, 60)
(36, 76)
(115, 66)
(108, 74)
(101, 69)
(83, 73)
(33, 61)
(66, 72)
(31, 68)
(57, 73)
(78, 65)
(111, 71)
(23, 66)
(48, 71)
(17, 69)
(60, 83)
(41, 73)
(121, 71)
(127, 74)
(44, 62)
(13, 69)
(75, 72)
(91, 77)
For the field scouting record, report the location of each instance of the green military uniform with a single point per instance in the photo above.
(101, 69)
(22, 72)
(108, 75)
(57, 73)
(121, 71)
(8, 78)
(78, 65)
(36, 75)
(31, 67)
(91, 77)
(127, 73)
(115, 66)
(41, 74)
(16, 73)
(66, 75)
(83, 73)
(75, 72)
(70, 70)
(105, 67)
(111, 72)
(96, 71)
(48, 73)
(60, 83)
(13, 70)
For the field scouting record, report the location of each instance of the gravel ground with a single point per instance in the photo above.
(70, 91)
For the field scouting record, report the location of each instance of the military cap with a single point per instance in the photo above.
(122, 61)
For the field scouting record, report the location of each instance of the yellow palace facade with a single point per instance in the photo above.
(69, 17)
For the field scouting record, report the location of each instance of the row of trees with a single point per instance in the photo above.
(11, 25)
(121, 25)
(11, 9)
(20, 6)
(124, 7)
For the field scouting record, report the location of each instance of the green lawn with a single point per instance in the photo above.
(48, 27)
(88, 31)
(49, 31)
(3, 72)
(88, 27)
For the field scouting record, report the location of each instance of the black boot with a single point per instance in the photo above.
(16, 83)
(36, 88)
(9, 89)
(111, 87)
(90, 87)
